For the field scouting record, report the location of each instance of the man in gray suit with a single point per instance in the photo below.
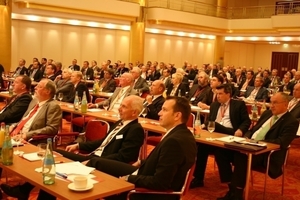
(63, 82)
(126, 89)
(43, 116)
(139, 83)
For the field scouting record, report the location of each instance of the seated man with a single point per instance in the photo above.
(122, 144)
(160, 171)
(18, 103)
(257, 92)
(277, 126)
(79, 87)
(231, 117)
(107, 84)
(140, 84)
(294, 104)
(155, 100)
(199, 91)
(43, 116)
(63, 82)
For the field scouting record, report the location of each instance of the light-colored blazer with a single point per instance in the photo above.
(47, 121)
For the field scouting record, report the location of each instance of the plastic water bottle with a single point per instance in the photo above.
(48, 170)
(76, 101)
(84, 103)
(197, 126)
(10, 89)
(7, 149)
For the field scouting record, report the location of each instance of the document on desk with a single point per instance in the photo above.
(230, 138)
(74, 168)
(95, 110)
(33, 156)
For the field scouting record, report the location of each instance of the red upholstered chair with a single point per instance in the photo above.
(181, 193)
(82, 121)
(154, 140)
(265, 171)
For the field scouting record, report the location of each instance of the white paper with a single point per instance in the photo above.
(32, 156)
(74, 168)
(95, 110)
(298, 132)
(230, 139)
(14, 143)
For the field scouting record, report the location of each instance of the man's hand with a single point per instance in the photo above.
(149, 99)
(202, 105)
(124, 178)
(238, 133)
(137, 163)
(72, 147)
(91, 105)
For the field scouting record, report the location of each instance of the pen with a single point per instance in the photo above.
(59, 161)
(62, 175)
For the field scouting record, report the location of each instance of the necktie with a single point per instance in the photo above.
(107, 140)
(21, 124)
(262, 133)
(120, 94)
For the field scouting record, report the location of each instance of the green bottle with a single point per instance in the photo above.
(7, 149)
(84, 103)
(76, 101)
(48, 170)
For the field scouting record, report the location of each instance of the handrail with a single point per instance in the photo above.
(194, 6)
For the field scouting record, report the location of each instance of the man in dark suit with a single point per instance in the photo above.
(275, 80)
(139, 84)
(21, 69)
(155, 100)
(277, 126)
(125, 89)
(177, 88)
(121, 70)
(155, 75)
(190, 73)
(166, 78)
(15, 108)
(287, 85)
(266, 78)
(257, 92)
(50, 72)
(231, 117)
(211, 70)
(74, 66)
(79, 87)
(294, 104)
(238, 78)
(107, 84)
(199, 91)
(249, 81)
(160, 171)
(35, 73)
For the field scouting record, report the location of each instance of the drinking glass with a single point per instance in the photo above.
(60, 97)
(17, 138)
(88, 77)
(144, 113)
(41, 150)
(211, 128)
(105, 106)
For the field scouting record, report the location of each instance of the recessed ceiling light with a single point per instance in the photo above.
(169, 32)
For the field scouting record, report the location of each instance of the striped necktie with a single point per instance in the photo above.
(262, 133)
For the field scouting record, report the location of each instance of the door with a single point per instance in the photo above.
(284, 61)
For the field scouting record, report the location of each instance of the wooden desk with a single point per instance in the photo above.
(108, 185)
(5, 95)
(206, 134)
(101, 94)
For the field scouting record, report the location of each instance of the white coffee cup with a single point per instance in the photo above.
(80, 182)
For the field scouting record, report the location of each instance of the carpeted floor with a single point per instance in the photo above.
(213, 188)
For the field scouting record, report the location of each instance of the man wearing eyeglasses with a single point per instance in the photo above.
(277, 126)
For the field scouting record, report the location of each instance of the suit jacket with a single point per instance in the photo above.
(289, 86)
(154, 76)
(141, 85)
(37, 76)
(64, 86)
(238, 81)
(208, 98)
(214, 72)
(75, 67)
(47, 121)
(121, 71)
(167, 81)
(275, 80)
(238, 113)
(266, 83)
(110, 85)
(80, 88)
(155, 107)
(14, 111)
(124, 149)
(23, 71)
(261, 95)
(57, 73)
(90, 72)
(282, 132)
(181, 87)
(160, 171)
(296, 111)
(129, 92)
(194, 100)
(251, 83)
(191, 74)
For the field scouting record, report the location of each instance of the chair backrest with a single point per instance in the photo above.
(188, 179)
(98, 100)
(96, 129)
(249, 109)
(144, 95)
(191, 120)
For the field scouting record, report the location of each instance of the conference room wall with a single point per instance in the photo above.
(64, 43)
(255, 54)
(176, 49)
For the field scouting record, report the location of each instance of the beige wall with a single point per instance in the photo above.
(64, 43)
(254, 55)
(177, 49)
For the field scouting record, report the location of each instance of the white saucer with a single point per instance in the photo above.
(71, 186)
